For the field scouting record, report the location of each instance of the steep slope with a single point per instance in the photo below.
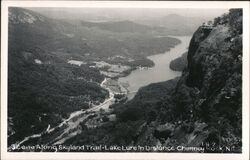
(199, 112)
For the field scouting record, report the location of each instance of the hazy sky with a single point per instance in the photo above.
(124, 13)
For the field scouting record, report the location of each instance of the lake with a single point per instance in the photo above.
(160, 72)
(138, 78)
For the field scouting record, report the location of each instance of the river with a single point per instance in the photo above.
(160, 72)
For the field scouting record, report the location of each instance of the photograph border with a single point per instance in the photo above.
(125, 4)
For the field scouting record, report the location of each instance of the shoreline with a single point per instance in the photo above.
(138, 77)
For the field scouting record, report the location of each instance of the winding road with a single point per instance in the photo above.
(71, 126)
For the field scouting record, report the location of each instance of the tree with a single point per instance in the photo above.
(235, 20)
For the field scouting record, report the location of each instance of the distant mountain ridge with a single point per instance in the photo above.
(175, 24)
(172, 24)
(118, 26)
(17, 16)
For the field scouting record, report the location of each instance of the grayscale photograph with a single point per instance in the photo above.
(124, 80)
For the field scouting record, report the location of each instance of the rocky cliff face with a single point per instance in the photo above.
(205, 108)
(212, 88)
(215, 71)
